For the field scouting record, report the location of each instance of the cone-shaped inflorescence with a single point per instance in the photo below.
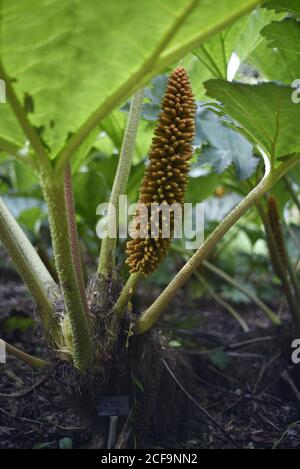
(276, 229)
(165, 178)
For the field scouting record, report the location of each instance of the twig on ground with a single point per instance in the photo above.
(249, 342)
(287, 378)
(268, 421)
(272, 383)
(125, 433)
(264, 369)
(199, 406)
(26, 391)
(24, 419)
(292, 425)
(47, 423)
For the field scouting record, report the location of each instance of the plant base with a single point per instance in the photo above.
(133, 366)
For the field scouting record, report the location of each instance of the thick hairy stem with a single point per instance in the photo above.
(108, 247)
(264, 308)
(73, 234)
(126, 294)
(152, 314)
(32, 270)
(25, 357)
(55, 198)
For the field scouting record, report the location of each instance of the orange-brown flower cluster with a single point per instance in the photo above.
(165, 178)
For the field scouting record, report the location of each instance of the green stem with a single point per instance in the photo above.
(279, 268)
(126, 294)
(295, 282)
(218, 72)
(151, 316)
(26, 358)
(108, 247)
(55, 198)
(73, 234)
(222, 302)
(31, 268)
(285, 283)
(268, 312)
(23, 120)
(209, 67)
(292, 267)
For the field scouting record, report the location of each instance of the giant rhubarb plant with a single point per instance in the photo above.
(91, 328)
(71, 329)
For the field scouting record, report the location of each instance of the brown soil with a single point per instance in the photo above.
(245, 381)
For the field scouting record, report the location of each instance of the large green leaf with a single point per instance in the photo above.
(223, 146)
(198, 73)
(240, 38)
(202, 187)
(250, 36)
(284, 35)
(9, 128)
(236, 150)
(291, 6)
(237, 41)
(265, 112)
(79, 60)
(275, 64)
